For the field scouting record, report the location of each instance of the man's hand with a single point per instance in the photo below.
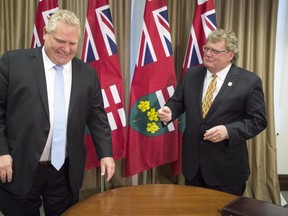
(6, 168)
(165, 114)
(216, 134)
(107, 167)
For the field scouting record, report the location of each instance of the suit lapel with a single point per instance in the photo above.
(39, 73)
(199, 83)
(76, 75)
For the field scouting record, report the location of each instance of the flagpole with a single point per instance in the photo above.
(101, 183)
(99, 179)
(137, 11)
(144, 177)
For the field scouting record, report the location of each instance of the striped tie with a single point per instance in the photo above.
(206, 104)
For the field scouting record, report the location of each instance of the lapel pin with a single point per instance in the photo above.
(230, 84)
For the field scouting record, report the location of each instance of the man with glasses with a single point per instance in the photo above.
(224, 106)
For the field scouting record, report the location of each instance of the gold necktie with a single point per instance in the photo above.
(206, 104)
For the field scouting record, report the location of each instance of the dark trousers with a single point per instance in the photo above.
(198, 181)
(50, 187)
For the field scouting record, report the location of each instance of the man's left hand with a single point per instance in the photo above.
(216, 134)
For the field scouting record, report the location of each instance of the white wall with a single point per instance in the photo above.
(281, 88)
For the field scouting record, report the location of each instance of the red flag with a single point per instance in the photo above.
(203, 23)
(100, 51)
(149, 144)
(44, 10)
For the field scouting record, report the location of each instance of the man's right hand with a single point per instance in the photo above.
(6, 168)
(165, 114)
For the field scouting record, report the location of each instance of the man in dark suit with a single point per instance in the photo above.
(214, 153)
(27, 173)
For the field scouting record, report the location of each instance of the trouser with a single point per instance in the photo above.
(198, 180)
(50, 187)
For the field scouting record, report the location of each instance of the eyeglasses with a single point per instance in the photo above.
(214, 51)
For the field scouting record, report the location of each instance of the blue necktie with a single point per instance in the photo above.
(59, 122)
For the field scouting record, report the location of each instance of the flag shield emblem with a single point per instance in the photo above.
(144, 118)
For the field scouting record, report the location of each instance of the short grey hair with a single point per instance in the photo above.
(230, 39)
(64, 16)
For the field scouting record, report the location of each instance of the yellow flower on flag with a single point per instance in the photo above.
(152, 115)
(144, 106)
(152, 127)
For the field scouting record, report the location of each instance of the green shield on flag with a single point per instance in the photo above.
(144, 117)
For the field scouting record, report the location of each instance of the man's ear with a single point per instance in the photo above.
(231, 56)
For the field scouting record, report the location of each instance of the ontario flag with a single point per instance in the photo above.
(149, 144)
(204, 22)
(100, 51)
(45, 9)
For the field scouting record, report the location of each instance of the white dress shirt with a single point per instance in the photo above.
(221, 75)
(49, 75)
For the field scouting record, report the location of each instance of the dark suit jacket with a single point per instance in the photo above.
(24, 117)
(239, 106)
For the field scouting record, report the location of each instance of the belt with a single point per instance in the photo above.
(45, 163)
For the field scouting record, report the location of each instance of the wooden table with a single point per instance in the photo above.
(153, 199)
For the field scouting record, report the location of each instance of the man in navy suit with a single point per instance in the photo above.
(214, 153)
(27, 175)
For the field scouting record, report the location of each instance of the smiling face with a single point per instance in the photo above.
(216, 62)
(61, 44)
